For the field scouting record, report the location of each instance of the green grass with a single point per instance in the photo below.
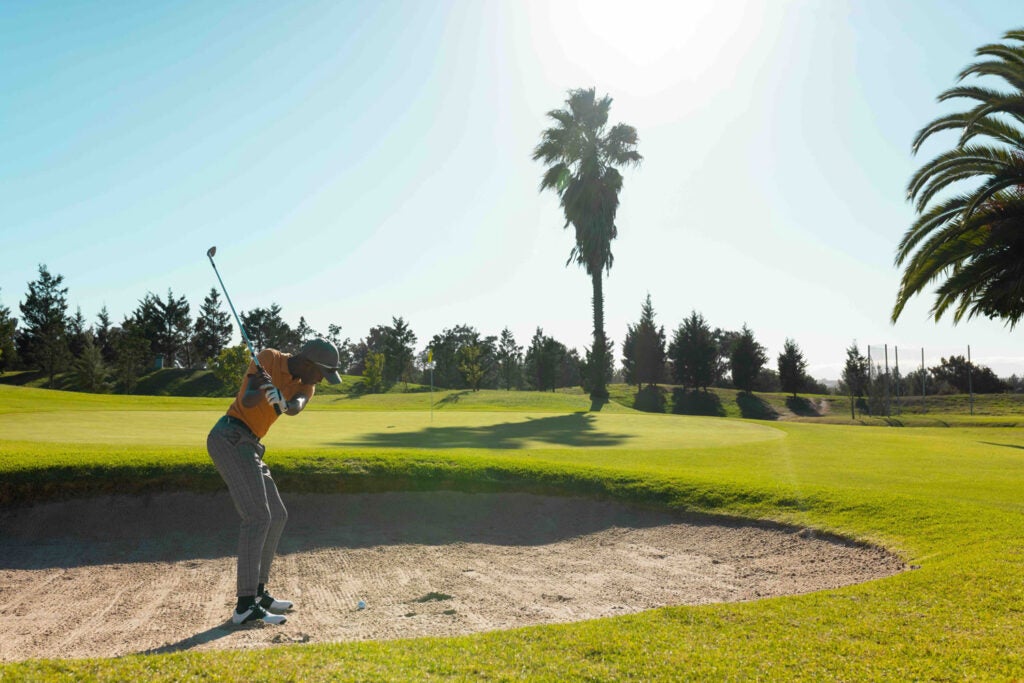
(948, 500)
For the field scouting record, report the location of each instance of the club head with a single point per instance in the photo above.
(211, 252)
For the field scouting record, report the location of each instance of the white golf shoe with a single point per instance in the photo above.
(272, 604)
(256, 613)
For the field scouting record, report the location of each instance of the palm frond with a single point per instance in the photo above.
(1011, 72)
(928, 222)
(997, 130)
(960, 163)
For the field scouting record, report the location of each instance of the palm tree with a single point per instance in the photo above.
(973, 241)
(582, 156)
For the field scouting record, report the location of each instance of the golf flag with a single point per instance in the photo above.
(430, 355)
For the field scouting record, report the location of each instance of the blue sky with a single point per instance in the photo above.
(354, 161)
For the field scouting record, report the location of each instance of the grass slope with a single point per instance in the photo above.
(948, 500)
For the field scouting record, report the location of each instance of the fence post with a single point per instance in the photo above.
(888, 380)
(924, 385)
(871, 369)
(970, 380)
(899, 408)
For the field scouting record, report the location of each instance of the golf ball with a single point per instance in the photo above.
(361, 605)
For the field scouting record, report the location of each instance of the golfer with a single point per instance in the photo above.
(284, 387)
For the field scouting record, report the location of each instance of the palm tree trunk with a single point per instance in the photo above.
(598, 390)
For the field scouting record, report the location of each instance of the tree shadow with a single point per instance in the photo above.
(453, 398)
(575, 429)
(802, 406)
(697, 403)
(20, 379)
(650, 400)
(754, 407)
(597, 403)
(1004, 445)
(182, 526)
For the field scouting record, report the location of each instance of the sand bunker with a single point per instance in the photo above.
(110, 576)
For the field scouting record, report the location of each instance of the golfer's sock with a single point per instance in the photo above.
(261, 589)
(245, 602)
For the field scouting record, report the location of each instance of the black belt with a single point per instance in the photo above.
(241, 425)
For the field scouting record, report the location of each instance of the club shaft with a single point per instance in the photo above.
(238, 320)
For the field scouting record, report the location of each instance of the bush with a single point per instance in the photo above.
(230, 365)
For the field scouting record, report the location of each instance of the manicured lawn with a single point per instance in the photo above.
(948, 500)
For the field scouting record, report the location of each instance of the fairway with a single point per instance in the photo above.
(945, 501)
(446, 429)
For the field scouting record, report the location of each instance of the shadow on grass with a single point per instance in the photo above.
(576, 429)
(650, 400)
(802, 406)
(20, 379)
(1004, 445)
(180, 382)
(755, 408)
(697, 402)
(452, 399)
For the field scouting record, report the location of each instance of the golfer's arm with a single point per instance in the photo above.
(253, 393)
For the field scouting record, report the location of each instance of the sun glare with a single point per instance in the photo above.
(646, 44)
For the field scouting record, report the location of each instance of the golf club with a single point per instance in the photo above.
(210, 254)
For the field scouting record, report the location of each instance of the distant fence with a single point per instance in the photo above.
(893, 390)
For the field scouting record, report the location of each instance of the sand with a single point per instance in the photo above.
(109, 576)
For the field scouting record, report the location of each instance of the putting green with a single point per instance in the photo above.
(367, 429)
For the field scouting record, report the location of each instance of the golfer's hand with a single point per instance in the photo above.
(275, 398)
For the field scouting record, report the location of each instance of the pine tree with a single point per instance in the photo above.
(174, 330)
(131, 352)
(77, 332)
(694, 353)
(649, 347)
(8, 327)
(90, 372)
(629, 356)
(43, 342)
(212, 330)
(792, 367)
(399, 342)
(855, 372)
(103, 334)
(510, 360)
(543, 360)
(268, 330)
(746, 359)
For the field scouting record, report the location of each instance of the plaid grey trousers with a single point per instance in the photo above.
(238, 456)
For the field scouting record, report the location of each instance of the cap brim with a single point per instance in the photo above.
(332, 376)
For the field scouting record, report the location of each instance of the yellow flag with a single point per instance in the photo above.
(430, 355)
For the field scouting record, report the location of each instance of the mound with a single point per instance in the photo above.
(118, 575)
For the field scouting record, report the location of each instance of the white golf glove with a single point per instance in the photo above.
(274, 397)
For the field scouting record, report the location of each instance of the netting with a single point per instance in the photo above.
(899, 378)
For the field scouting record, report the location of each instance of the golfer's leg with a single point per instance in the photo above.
(278, 518)
(240, 466)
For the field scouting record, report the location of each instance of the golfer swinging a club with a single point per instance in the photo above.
(276, 383)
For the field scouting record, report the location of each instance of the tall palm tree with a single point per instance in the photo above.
(973, 241)
(582, 156)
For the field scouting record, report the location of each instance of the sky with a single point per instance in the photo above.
(359, 161)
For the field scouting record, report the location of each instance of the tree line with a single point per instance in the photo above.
(108, 356)
(698, 357)
(953, 375)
